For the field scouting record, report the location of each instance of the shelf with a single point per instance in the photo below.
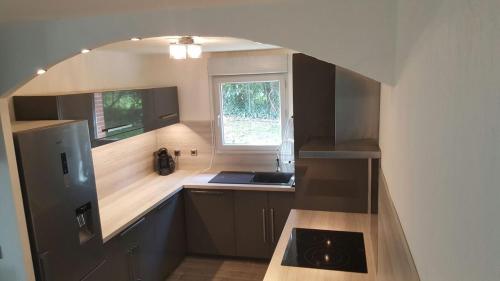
(326, 148)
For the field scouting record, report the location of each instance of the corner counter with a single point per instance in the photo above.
(122, 208)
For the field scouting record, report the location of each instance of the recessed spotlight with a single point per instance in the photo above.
(40, 71)
(84, 51)
(135, 39)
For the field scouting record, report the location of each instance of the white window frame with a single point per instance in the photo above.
(217, 101)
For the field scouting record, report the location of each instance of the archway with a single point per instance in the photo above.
(356, 35)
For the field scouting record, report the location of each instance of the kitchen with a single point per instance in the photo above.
(178, 178)
(415, 88)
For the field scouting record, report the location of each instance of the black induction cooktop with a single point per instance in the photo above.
(326, 249)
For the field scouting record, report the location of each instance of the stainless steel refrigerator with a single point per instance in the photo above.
(60, 200)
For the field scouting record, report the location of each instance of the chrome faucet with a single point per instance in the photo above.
(278, 168)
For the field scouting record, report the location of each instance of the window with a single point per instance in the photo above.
(250, 111)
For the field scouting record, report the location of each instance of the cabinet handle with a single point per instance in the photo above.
(168, 116)
(112, 129)
(264, 225)
(88, 276)
(271, 215)
(132, 227)
(207, 192)
(131, 269)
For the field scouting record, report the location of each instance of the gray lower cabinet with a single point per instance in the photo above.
(260, 218)
(149, 249)
(280, 204)
(235, 223)
(99, 273)
(210, 222)
(137, 246)
(251, 221)
(170, 237)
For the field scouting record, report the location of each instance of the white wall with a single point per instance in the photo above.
(15, 264)
(191, 79)
(92, 72)
(440, 137)
(107, 70)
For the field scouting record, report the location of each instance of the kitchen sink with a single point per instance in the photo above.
(272, 178)
(267, 178)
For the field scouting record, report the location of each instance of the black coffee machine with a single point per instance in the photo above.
(164, 163)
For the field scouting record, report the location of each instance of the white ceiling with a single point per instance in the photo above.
(23, 10)
(159, 45)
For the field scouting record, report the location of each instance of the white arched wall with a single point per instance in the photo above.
(354, 34)
(439, 138)
(358, 35)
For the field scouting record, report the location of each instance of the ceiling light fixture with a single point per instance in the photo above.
(194, 51)
(185, 48)
(40, 71)
(135, 39)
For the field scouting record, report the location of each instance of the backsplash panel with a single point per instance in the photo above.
(121, 163)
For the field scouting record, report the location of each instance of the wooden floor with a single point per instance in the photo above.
(215, 269)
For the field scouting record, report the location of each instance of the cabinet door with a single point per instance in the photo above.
(166, 106)
(116, 266)
(280, 204)
(170, 237)
(100, 273)
(210, 222)
(35, 108)
(251, 221)
(78, 107)
(138, 243)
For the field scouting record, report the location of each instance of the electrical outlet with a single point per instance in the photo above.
(177, 152)
(194, 152)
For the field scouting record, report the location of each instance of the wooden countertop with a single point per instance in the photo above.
(328, 221)
(121, 209)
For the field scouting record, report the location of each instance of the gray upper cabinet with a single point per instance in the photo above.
(162, 108)
(210, 222)
(111, 115)
(71, 107)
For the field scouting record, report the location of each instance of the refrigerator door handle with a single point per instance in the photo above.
(43, 259)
